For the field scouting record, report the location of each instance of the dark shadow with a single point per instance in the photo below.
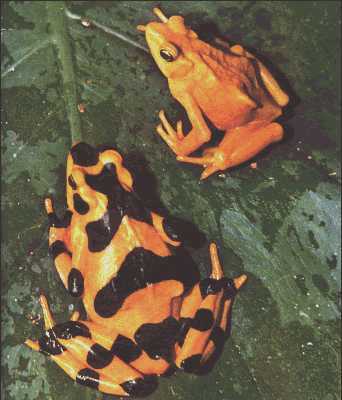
(145, 186)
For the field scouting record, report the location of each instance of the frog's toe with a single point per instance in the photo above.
(170, 139)
(196, 160)
(166, 125)
(211, 169)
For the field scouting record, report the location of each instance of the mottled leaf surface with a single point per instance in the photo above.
(278, 223)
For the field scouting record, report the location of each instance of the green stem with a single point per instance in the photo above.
(59, 30)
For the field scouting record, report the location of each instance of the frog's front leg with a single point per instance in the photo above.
(73, 348)
(184, 144)
(238, 146)
(204, 317)
(59, 247)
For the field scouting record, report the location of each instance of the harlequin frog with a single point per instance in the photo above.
(232, 89)
(146, 311)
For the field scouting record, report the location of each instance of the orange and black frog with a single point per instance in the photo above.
(146, 310)
(231, 88)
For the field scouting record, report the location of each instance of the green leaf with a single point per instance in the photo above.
(279, 223)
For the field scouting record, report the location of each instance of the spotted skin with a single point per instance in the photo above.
(147, 310)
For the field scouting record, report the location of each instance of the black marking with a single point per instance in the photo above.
(140, 268)
(120, 203)
(141, 387)
(99, 357)
(158, 340)
(101, 232)
(88, 377)
(170, 229)
(184, 231)
(203, 320)
(191, 364)
(229, 288)
(56, 222)
(58, 247)
(75, 283)
(49, 345)
(125, 349)
(218, 337)
(81, 206)
(72, 182)
(210, 286)
(84, 155)
(71, 329)
(185, 325)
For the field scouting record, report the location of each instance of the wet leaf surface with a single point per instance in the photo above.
(279, 223)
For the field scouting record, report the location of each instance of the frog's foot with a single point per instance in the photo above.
(59, 248)
(213, 160)
(205, 317)
(72, 347)
(171, 136)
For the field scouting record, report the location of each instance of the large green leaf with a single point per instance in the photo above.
(280, 223)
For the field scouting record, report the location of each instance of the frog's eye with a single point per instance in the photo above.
(169, 54)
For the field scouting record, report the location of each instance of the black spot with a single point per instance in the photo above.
(140, 268)
(119, 200)
(101, 232)
(108, 301)
(229, 287)
(56, 222)
(99, 357)
(125, 349)
(141, 387)
(185, 325)
(88, 377)
(191, 364)
(158, 340)
(75, 283)
(48, 343)
(209, 286)
(81, 206)
(203, 320)
(218, 337)
(184, 231)
(171, 229)
(106, 181)
(71, 329)
(58, 247)
(84, 155)
(72, 182)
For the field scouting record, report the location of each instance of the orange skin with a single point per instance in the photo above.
(233, 89)
(132, 228)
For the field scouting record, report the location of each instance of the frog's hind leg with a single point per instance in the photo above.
(59, 247)
(204, 317)
(71, 346)
(280, 97)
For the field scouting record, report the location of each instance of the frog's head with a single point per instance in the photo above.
(92, 174)
(169, 42)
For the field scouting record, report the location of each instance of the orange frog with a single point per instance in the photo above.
(147, 311)
(233, 89)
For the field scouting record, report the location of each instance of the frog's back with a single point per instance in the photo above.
(227, 91)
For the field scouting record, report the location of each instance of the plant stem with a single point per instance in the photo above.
(59, 31)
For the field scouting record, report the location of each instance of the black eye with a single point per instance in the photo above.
(72, 182)
(167, 55)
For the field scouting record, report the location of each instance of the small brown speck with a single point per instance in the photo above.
(81, 108)
(85, 22)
